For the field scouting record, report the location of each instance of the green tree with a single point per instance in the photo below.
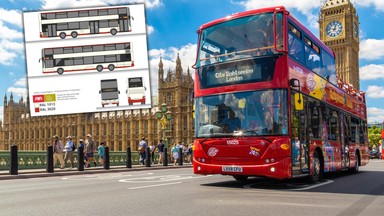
(374, 135)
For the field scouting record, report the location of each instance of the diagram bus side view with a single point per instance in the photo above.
(88, 57)
(109, 92)
(84, 22)
(136, 90)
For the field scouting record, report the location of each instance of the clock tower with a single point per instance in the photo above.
(339, 30)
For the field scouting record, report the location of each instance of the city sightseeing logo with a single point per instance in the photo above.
(212, 152)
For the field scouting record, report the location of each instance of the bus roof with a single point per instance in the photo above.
(267, 10)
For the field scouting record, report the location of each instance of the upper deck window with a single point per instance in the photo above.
(246, 37)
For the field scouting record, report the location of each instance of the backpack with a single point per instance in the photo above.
(73, 147)
(141, 149)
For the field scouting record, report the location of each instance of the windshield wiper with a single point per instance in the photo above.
(257, 134)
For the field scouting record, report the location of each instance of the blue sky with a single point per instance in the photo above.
(172, 25)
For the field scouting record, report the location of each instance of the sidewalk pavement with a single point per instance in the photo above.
(39, 173)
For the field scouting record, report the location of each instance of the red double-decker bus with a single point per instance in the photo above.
(268, 102)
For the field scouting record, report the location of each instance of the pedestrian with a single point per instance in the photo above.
(142, 150)
(89, 149)
(175, 154)
(69, 148)
(189, 153)
(152, 149)
(58, 152)
(81, 144)
(160, 149)
(100, 151)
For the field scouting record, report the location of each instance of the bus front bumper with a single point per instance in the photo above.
(279, 170)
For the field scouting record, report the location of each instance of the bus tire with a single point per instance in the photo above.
(240, 178)
(355, 169)
(74, 34)
(60, 71)
(113, 31)
(99, 68)
(111, 67)
(316, 168)
(62, 35)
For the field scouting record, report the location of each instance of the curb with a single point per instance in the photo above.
(43, 173)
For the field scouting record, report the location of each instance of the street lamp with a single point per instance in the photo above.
(164, 116)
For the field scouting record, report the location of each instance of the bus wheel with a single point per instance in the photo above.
(240, 177)
(63, 35)
(111, 67)
(74, 34)
(113, 31)
(60, 71)
(99, 68)
(316, 168)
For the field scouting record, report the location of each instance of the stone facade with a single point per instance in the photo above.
(119, 129)
(346, 44)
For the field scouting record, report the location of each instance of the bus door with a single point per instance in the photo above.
(123, 25)
(344, 141)
(94, 27)
(300, 139)
(52, 31)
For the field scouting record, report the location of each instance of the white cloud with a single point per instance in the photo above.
(372, 49)
(150, 29)
(11, 16)
(6, 57)
(187, 54)
(7, 33)
(18, 91)
(56, 4)
(14, 46)
(375, 91)
(378, 4)
(375, 114)
(372, 71)
(21, 82)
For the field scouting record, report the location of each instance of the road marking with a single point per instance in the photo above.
(158, 185)
(163, 178)
(313, 186)
(249, 186)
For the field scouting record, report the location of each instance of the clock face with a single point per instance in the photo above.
(334, 28)
(355, 29)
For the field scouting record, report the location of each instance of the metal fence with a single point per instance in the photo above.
(38, 159)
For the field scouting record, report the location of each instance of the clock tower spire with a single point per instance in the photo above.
(339, 30)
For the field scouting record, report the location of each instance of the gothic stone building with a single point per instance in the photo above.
(119, 129)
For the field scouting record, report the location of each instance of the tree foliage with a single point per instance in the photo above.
(374, 135)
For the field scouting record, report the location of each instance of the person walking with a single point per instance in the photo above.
(58, 152)
(160, 149)
(89, 149)
(100, 151)
(69, 148)
(175, 153)
(142, 150)
(152, 149)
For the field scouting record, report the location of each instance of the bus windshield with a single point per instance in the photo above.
(240, 38)
(252, 113)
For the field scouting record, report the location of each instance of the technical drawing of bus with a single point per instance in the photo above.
(87, 57)
(109, 92)
(136, 90)
(84, 22)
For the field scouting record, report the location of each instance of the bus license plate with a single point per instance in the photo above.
(232, 169)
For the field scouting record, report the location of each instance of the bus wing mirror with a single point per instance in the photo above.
(145, 88)
(119, 92)
(299, 103)
(100, 92)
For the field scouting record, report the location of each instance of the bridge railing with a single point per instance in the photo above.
(38, 159)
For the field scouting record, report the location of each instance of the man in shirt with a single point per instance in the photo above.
(69, 151)
(143, 145)
(58, 152)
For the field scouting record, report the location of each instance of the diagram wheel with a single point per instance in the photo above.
(60, 71)
(113, 31)
(316, 168)
(74, 34)
(99, 68)
(240, 177)
(63, 35)
(111, 67)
